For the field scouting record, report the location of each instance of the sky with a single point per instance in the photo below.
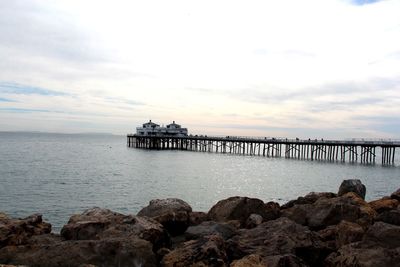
(300, 68)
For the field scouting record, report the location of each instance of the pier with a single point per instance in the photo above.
(363, 151)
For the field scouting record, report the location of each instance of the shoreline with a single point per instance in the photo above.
(318, 229)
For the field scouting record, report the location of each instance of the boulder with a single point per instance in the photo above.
(310, 198)
(253, 220)
(279, 237)
(97, 223)
(390, 216)
(205, 251)
(380, 246)
(352, 185)
(240, 208)
(19, 231)
(172, 213)
(383, 234)
(384, 204)
(254, 260)
(197, 217)
(348, 232)
(330, 211)
(396, 195)
(224, 230)
(355, 254)
(70, 253)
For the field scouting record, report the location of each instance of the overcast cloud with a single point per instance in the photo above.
(290, 68)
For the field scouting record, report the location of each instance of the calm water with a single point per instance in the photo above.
(58, 175)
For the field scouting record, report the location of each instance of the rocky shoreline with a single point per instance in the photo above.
(319, 229)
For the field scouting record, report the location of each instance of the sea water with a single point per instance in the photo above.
(62, 174)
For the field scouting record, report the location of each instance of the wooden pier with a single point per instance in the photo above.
(362, 151)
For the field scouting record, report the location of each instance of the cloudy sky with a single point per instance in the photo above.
(307, 68)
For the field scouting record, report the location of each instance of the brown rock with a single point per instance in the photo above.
(252, 260)
(197, 217)
(384, 204)
(19, 231)
(348, 232)
(310, 198)
(253, 220)
(172, 213)
(352, 185)
(102, 253)
(396, 195)
(205, 251)
(279, 237)
(330, 211)
(97, 223)
(224, 230)
(390, 216)
(240, 208)
(355, 255)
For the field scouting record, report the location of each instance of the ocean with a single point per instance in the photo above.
(58, 175)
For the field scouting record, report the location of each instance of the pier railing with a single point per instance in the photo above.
(352, 150)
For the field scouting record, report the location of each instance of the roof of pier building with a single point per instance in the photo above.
(174, 125)
(150, 124)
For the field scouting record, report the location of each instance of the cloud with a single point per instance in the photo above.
(24, 110)
(15, 88)
(6, 100)
(364, 2)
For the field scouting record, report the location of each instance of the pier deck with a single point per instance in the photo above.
(360, 150)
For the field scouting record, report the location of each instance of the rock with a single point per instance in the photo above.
(352, 185)
(205, 251)
(279, 237)
(390, 216)
(348, 232)
(380, 246)
(396, 195)
(252, 260)
(172, 213)
(355, 255)
(383, 234)
(224, 230)
(384, 204)
(197, 217)
(253, 220)
(330, 211)
(71, 253)
(97, 223)
(310, 198)
(240, 208)
(19, 231)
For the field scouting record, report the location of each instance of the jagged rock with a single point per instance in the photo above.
(330, 211)
(252, 260)
(278, 237)
(240, 208)
(355, 255)
(348, 232)
(390, 216)
(97, 223)
(396, 195)
(383, 234)
(205, 251)
(352, 185)
(225, 230)
(197, 217)
(384, 204)
(19, 231)
(172, 213)
(254, 220)
(380, 246)
(102, 253)
(310, 198)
